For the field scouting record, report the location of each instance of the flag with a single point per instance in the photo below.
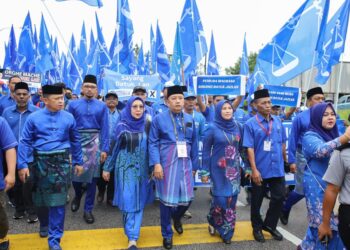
(92, 40)
(43, 56)
(201, 43)
(141, 61)
(105, 60)
(11, 51)
(95, 3)
(82, 52)
(291, 51)
(54, 74)
(213, 66)
(332, 43)
(176, 69)
(153, 50)
(74, 71)
(147, 63)
(244, 68)
(7, 59)
(113, 44)
(162, 65)
(26, 47)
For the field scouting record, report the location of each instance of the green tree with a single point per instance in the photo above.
(234, 70)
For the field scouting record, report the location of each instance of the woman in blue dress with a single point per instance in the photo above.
(222, 162)
(318, 144)
(129, 161)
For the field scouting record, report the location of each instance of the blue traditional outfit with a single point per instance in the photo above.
(5, 102)
(175, 190)
(47, 140)
(91, 116)
(318, 145)
(129, 161)
(222, 158)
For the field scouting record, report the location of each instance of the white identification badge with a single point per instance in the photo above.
(181, 149)
(267, 145)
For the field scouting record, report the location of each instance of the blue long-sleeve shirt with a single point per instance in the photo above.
(92, 114)
(300, 126)
(49, 131)
(5, 102)
(16, 119)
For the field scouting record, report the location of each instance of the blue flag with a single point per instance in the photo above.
(201, 43)
(147, 64)
(153, 50)
(7, 59)
(162, 65)
(213, 66)
(113, 44)
(332, 44)
(291, 51)
(105, 60)
(74, 72)
(95, 3)
(141, 62)
(44, 50)
(26, 49)
(244, 68)
(82, 52)
(92, 40)
(54, 74)
(176, 69)
(12, 51)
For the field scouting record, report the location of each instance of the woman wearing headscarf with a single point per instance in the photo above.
(222, 162)
(129, 160)
(318, 144)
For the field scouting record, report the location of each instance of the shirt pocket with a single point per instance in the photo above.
(189, 133)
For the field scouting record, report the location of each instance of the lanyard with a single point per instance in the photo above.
(268, 133)
(231, 143)
(175, 130)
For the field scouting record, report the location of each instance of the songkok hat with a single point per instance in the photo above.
(261, 93)
(177, 89)
(21, 85)
(52, 90)
(90, 79)
(314, 91)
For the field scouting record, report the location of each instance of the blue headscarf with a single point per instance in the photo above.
(226, 125)
(128, 122)
(316, 115)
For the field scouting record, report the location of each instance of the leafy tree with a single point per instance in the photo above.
(234, 70)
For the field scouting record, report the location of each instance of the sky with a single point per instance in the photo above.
(227, 19)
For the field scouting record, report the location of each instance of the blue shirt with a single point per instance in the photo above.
(16, 119)
(92, 114)
(159, 107)
(300, 126)
(199, 122)
(5, 102)
(269, 163)
(113, 117)
(209, 113)
(49, 131)
(246, 117)
(7, 141)
(239, 115)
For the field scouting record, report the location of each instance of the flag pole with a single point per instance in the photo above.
(338, 84)
(64, 41)
(310, 74)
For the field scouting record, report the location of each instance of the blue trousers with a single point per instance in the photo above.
(166, 213)
(293, 198)
(132, 224)
(90, 193)
(53, 219)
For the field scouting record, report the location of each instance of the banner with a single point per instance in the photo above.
(220, 85)
(124, 84)
(32, 79)
(284, 96)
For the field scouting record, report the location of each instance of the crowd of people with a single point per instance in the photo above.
(133, 153)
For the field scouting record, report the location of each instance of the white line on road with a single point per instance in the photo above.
(289, 236)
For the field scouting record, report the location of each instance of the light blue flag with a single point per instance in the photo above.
(176, 69)
(147, 63)
(123, 58)
(141, 62)
(82, 52)
(292, 50)
(74, 70)
(92, 60)
(95, 3)
(244, 68)
(332, 44)
(65, 74)
(12, 51)
(7, 59)
(92, 40)
(162, 65)
(213, 66)
(113, 44)
(201, 43)
(54, 74)
(44, 50)
(105, 60)
(26, 49)
(153, 50)
(188, 39)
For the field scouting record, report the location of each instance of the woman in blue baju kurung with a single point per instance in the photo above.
(130, 163)
(222, 162)
(318, 144)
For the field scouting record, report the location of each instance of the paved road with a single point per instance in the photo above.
(110, 217)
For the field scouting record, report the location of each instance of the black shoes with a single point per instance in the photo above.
(89, 218)
(258, 235)
(75, 204)
(43, 232)
(284, 218)
(100, 197)
(274, 232)
(178, 227)
(168, 243)
(227, 242)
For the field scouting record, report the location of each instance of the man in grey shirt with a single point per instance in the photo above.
(337, 177)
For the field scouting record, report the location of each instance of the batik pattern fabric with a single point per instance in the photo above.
(222, 215)
(51, 173)
(91, 155)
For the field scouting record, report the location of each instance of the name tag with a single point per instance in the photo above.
(267, 146)
(181, 149)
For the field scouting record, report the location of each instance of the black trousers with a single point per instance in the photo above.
(277, 189)
(23, 196)
(4, 224)
(344, 224)
(102, 185)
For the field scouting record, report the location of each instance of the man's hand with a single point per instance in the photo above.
(78, 170)
(106, 175)
(256, 177)
(158, 171)
(9, 182)
(23, 174)
(324, 230)
(103, 157)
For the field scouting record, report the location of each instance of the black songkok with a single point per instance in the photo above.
(21, 85)
(314, 91)
(90, 79)
(177, 89)
(261, 93)
(52, 90)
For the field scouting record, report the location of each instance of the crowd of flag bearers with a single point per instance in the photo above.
(140, 153)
